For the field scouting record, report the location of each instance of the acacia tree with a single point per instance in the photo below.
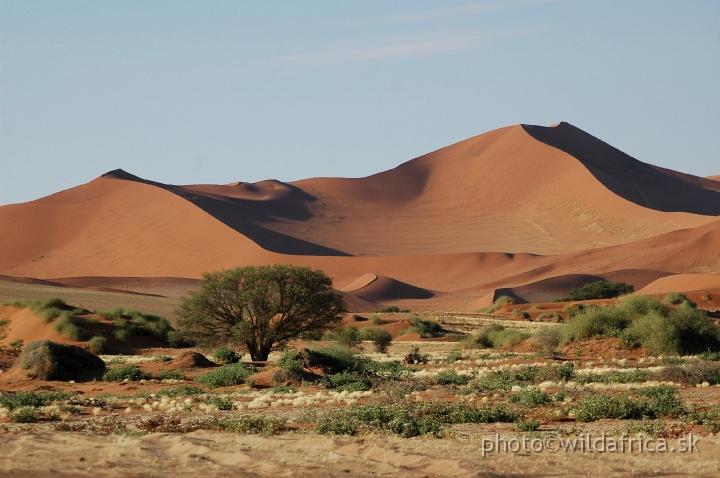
(259, 307)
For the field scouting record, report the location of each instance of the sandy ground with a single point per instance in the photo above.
(225, 454)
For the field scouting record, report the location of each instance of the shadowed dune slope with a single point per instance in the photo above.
(648, 186)
(553, 288)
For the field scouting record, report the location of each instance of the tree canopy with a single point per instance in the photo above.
(598, 290)
(260, 308)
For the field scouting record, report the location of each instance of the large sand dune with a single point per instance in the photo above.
(525, 207)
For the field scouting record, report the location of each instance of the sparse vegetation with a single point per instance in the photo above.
(643, 320)
(125, 373)
(598, 290)
(495, 335)
(97, 344)
(226, 376)
(349, 335)
(380, 338)
(226, 356)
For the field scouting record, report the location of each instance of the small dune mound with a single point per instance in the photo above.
(47, 360)
(379, 288)
(191, 360)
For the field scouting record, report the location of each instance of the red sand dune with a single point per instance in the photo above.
(684, 282)
(523, 208)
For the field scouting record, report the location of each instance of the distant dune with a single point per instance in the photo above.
(534, 210)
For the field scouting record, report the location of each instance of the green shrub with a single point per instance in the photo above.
(349, 336)
(409, 419)
(170, 375)
(221, 403)
(710, 418)
(453, 356)
(129, 322)
(643, 320)
(178, 340)
(226, 376)
(495, 335)
(531, 397)
(25, 415)
(451, 377)
(632, 376)
(503, 300)
(226, 356)
(348, 382)
(376, 320)
(11, 401)
(290, 362)
(66, 324)
(339, 358)
(594, 322)
(393, 370)
(126, 372)
(519, 314)
(547, 340)
(652, 402)
(380, 338)
(598, 290)
(97, 344)
(527, 425)
(391, 309)
(426, 328)
(122, 334)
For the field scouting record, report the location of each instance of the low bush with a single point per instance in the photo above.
(11, 400)
(125, 373)
(348, 382)
(170, 375)
(691, 374)
(531, 397)
(226, 376)
(349, 335)
(632, 376)
(409, 419)
(498, 336)
(97, 344)
(380, 338)
(226, 356)
(338, 358)
(546, 340)
(643, 320)
(66, 324)
(451, 377)
(710, 418)
(650, 402)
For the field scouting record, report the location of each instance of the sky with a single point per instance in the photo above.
(188, 92)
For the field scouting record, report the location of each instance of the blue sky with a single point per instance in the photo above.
(215, 92)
